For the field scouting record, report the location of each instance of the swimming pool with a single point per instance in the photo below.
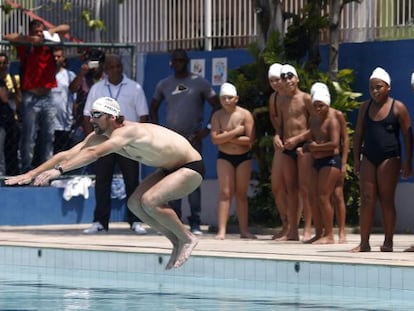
(59, 279)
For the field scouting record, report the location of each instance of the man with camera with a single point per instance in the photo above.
(90, 72)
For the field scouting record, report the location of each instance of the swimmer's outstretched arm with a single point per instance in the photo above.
(57, 159)
(28, 177)
(96, 147)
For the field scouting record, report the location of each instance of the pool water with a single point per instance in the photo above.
(31, 288)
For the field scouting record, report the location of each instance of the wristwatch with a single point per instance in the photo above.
(59, 168)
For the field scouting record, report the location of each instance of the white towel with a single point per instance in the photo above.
(118, 188)
(74, 187)
(48, 37)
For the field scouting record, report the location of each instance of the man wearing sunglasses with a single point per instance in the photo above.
(180, 170)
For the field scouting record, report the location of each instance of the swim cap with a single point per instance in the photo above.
(317, 86)
(228, 89)
(320, 92)
(274, 70)
(288, 68)
(381, 74)
(107, 105)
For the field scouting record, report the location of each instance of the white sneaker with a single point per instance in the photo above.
(196, 231)
(138, 228)
(95, 228)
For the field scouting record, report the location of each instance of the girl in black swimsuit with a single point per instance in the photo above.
(380, 121)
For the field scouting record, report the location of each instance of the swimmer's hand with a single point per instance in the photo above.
(305, 148)
(277, 142)
(44, 178)
(22, 179)
(290, 143)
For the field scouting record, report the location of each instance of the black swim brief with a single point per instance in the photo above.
(234, 159)
(292, 152)
(332, 161)
(197, 166)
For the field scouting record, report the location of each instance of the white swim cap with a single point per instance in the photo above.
(380, 73)
(274, 70)
(107, 105)
(228, 89)
(320, 92)
(286, 68)
(317, 86)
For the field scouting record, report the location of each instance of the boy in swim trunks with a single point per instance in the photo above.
(324, 148)
(338, 194)
(180, 169)
(293, 110)
(232, 130)
(377, 157)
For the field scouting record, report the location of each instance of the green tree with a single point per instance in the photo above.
(302, 38)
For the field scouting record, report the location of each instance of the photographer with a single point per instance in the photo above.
(91, 71)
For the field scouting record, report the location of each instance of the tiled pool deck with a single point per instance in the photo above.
(121, 239)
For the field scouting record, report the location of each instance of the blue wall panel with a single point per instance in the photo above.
(45, 205)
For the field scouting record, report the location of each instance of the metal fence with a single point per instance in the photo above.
(162, 25)
(152, 25)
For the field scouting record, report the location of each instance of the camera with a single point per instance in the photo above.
(93, 64)
(93, 57)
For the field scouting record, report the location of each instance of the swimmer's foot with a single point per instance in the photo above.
(292, 238)
(361, 249)
(311, 240)
(280, 234)
(173, 258)
(220, 235)
(386, 248)
(307, 235)
(342, 238)
(293, 235)
(281, 238)
(248, 235)
(184, 251)
(325, 240)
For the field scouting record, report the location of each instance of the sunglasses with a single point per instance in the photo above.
(287, 76)
(96, 114)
